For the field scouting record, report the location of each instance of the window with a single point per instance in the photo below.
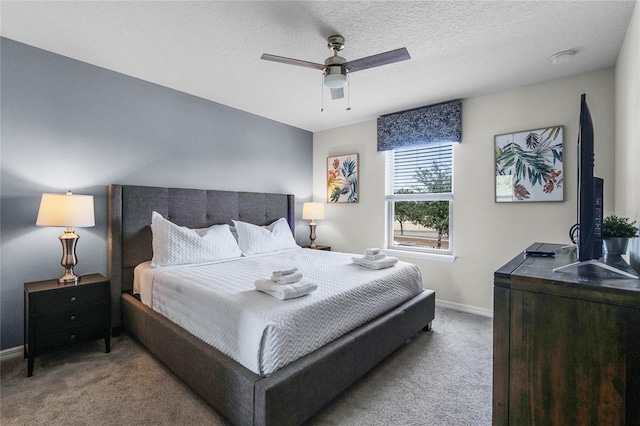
(419, 199)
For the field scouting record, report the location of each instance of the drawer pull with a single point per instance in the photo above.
(73, 298)
(73, 337)
(73, 317)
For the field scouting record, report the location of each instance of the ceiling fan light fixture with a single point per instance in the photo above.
(335, 77)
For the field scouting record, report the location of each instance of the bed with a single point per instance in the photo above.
(288, 395)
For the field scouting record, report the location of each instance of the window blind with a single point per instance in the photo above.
(407, 162)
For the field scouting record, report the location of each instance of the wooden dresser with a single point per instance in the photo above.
(566, 345)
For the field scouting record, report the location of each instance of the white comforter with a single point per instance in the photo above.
(218, 303)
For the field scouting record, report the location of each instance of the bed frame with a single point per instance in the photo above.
(292, 394)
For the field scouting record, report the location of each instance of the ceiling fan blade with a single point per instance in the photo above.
(337, 93)
(380, 59)
(290, 61)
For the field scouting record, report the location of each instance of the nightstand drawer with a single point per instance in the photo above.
(56, 321)
(70, 297)
(86, 333)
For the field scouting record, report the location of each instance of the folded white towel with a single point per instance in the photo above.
(287, 291)
(387, 262)
(288, 279)
(376, 256)
(374, 250)
(284, 272)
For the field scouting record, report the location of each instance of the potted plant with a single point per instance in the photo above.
(616, 232)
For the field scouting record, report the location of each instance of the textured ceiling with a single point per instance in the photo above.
(459, 49)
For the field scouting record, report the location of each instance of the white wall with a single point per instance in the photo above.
(628, 128)
(486, 234)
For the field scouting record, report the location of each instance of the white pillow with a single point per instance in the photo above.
(254, 239)
(178, 245)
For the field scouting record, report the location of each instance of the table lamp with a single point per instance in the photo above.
(312, 211)
(67, 210)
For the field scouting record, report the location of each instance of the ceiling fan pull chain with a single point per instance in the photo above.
(322, 93)
(348, 93)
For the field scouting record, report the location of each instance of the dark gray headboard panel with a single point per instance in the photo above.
(129, 222)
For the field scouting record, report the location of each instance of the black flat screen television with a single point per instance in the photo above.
(590, 192)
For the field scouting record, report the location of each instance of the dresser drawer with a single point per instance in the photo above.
(56, 321)
(70, 297)
(86, 333)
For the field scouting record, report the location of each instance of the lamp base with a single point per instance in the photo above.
(69, 277)
(312, 235)
(69, 259)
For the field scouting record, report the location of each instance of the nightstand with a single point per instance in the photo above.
(318, 247)
(57, 315)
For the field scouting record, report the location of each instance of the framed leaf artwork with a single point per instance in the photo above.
(342, 179)
(529, 166)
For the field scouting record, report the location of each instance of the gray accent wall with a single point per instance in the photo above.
(68, 125)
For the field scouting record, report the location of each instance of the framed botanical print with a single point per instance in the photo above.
(529, 166)
(342, 179)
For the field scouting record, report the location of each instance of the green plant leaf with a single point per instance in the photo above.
(614, 226)
(532, 140)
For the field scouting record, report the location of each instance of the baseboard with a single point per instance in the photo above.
(11, 353)
(465, 308)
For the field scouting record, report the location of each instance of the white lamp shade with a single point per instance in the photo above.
(312, 211)
(66, 210)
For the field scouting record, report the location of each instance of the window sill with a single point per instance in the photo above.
(449, 258)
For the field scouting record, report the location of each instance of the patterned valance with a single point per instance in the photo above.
(421, 126)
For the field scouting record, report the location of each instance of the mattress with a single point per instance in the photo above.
(218, 302)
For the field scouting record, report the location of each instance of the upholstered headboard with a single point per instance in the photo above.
(129, 222)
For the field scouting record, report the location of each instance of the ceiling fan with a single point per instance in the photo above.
(336, 67)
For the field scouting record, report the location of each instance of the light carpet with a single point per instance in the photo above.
(442, 377)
